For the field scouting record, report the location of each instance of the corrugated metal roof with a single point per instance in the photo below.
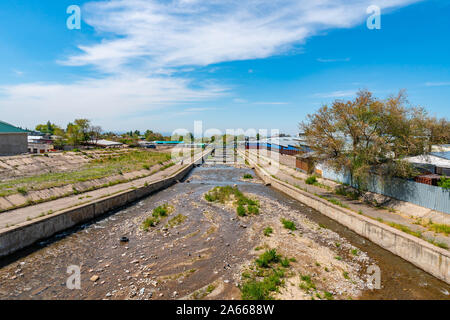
(429, 159)
(8, 128)
(103, 142)
(444, 154)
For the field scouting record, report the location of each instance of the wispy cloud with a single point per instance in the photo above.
(161, 34)
(437, 84)
(333, 60)
(336, 94)
(199, 109)
(270, 103)
(107, 100)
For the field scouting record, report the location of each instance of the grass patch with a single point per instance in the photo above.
(288, 224)
(439, 228)
(266, 278)
(178, 219)
(328, 295)
(157, 214)
(405, 229)
(245, 205)
(22, 190)
(268, 231)
(105, 166)
(306, 283)
(267, 258)
(338, 203)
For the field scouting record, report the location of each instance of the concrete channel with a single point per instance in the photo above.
(210, 248)
(424, 255)
(29, 232)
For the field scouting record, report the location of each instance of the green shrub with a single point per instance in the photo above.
(268, 257)
(248, 176)
(288, 224)
(261, 290)
(161, 211)
(444, 183)
(150, 222)
(328, 295)
(311, 180)
(253, 209)
(227, 193)
(241, 211)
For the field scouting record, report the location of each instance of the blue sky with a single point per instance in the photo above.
(232, 64)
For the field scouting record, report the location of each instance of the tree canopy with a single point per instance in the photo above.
(367, 135)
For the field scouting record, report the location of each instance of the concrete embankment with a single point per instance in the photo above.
(422, 254)
(29, 232)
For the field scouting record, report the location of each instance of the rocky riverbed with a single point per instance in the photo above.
(201, 251)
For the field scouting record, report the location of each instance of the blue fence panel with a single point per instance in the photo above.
(424, 195)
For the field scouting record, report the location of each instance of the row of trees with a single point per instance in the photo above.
(76, 133)
(368, 135)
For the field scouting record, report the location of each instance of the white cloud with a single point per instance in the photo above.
(162, 34)
(106, 101)
(147, 43)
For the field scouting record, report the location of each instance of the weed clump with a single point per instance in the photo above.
(266, 279)
(268, 231)
(311, 180)
(157, 213)
(288, 224)
(245, 205)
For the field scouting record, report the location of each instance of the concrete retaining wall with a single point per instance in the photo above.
(27, 233)
(422, 254)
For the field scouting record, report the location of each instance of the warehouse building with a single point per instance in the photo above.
(13, 140)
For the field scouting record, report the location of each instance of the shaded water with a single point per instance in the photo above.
(173, 263)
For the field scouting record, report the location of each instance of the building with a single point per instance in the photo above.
(40, 144)
(434, 163)
(13, 140)
(102, 143)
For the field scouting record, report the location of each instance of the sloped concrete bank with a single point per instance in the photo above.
(422, 254)
(29, 232)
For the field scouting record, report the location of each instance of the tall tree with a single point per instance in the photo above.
(83, 128)
(367, 136)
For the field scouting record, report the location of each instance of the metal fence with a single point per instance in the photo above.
(432, 197)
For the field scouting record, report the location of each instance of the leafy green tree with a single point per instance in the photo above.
(47, 128)
(444, 183)
(368, 135)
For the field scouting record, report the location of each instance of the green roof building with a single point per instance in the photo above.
(13, 140)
